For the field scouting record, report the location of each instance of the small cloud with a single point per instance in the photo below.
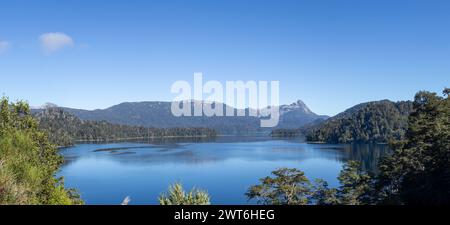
(4, 46)
(52, 42)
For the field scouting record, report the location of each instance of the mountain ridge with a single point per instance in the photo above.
(158, 114)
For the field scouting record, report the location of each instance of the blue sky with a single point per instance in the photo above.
(330, 54)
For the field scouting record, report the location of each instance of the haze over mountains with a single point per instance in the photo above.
(158, 114)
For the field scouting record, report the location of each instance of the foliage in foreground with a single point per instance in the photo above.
(28, 162)
(418, 172)
(177, 196)
(292, 187)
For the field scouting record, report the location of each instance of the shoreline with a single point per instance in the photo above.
(202, 136)
(133, 138)
(153, 137)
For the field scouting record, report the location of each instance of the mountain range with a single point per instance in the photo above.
(158, 114)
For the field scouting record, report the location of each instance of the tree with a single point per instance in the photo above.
(418, 172)
(291, 187)
(287, 187)
(323, 195)
(28, 162)
(177, 196)
(356, 185)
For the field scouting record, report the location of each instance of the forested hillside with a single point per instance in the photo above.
(64, 128)
(379, 121)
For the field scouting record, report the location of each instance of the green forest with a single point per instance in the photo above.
(377, 122)
(64, 129)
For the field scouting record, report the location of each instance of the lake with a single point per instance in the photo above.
(106, 173)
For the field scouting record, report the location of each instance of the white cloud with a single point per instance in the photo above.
(4, 46)
(52, 42)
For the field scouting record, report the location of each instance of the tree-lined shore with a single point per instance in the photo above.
(64, 129)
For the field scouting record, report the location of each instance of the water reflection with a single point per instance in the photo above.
(225, 166)
(367, 154)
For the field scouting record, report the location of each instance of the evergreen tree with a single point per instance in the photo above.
(323, 195)
(418, 172)
(356, 185)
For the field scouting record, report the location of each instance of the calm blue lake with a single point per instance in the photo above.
(225, 167)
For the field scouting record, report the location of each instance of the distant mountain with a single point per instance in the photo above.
(45, 106)
(64, 129)
(297, 115)
(158, 114)
(378, 121)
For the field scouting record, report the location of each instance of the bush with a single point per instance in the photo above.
(177, 196)
(28, 162)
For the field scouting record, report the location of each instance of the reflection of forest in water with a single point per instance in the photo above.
(368, 154)
(156, 141)
(176, 140)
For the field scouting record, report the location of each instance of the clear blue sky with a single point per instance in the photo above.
(331, 54)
